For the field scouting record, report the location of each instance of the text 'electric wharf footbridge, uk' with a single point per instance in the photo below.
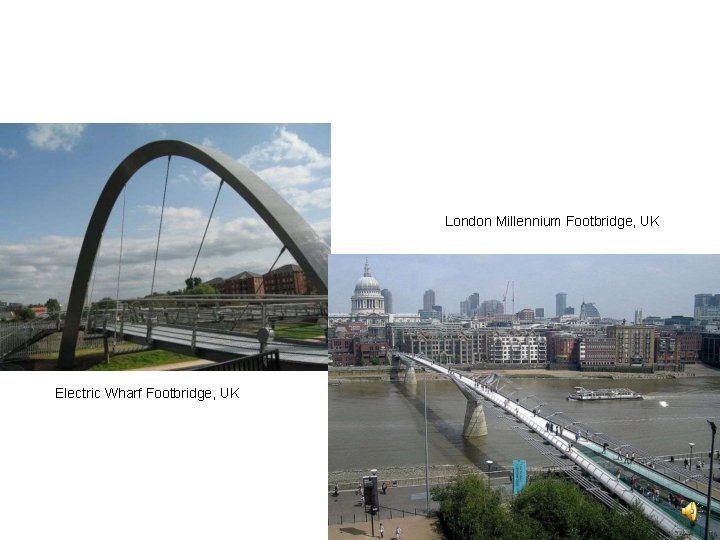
(176, 325)
(602, 462)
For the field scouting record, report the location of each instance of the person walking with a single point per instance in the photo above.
(398, 533)
(382, 531)
(384, 488)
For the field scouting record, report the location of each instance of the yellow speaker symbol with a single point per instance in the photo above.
(690, 512)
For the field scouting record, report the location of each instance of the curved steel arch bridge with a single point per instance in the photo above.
(308, 249)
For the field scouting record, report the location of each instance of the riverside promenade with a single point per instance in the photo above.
(402, 507)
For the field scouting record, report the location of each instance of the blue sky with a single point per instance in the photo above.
(52, 174)
(662, 285)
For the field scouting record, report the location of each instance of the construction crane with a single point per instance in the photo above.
(504, 297)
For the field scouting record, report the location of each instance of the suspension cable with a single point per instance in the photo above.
(262, 287)
(262, 283)
(206, 227)
(162, 211)
(122, 236)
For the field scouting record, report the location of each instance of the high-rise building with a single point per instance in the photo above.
(707, 306)
(491, 307)
(387, 295)
(540, 312)
(428, 300)
(474, 303)
(560, 304)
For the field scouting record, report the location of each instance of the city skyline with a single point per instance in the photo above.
(53, 174)
(660, 285)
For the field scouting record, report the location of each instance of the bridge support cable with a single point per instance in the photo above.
(192, 272)
(162, 212)
(261, 290)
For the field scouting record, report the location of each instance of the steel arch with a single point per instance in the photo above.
(310, 252)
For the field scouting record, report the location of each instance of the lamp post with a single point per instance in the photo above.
(427, 478)
(710, 479)
(691, 447)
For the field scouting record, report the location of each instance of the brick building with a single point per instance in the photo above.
(242, 283)
(288, 279)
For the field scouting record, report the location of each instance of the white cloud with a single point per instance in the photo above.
(209, 180)
(286, 147)
(283, 176)
(55, 136)
(9, 153)
(299, 199)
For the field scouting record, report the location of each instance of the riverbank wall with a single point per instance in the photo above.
(338, 375)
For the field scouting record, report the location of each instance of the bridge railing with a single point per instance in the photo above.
(297, 317)
(265, 361)
(674, 470)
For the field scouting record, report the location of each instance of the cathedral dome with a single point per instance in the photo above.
(367, 297)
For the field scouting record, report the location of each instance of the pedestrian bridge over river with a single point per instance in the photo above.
(598, 456)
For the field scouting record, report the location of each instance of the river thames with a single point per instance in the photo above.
(376, 424)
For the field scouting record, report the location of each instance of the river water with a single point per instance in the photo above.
(381, 424)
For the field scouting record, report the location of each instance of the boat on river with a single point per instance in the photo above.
(587, 394)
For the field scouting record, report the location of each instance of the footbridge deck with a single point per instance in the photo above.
(631, 481)
(218, 345)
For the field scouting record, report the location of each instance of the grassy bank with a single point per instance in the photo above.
(120, 362)
(142, 359)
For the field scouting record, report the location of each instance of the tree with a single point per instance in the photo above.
(202, 288)
(192, 282)
(25, 314)
(470, 509)
(560, 506)
(546, 509)
(53, 307)
(105, 303)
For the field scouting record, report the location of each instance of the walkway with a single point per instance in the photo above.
(227, 344)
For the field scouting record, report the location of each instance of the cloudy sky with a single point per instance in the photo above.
(52, 174)
(662, 285)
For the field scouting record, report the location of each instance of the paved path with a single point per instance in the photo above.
(413, 528)
(397, 502)
(226, 342)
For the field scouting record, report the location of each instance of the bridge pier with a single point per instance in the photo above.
(475, 424)
(410, 377)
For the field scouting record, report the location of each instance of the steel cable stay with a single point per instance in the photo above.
(162, 212)
(207, 226)
(260, 289)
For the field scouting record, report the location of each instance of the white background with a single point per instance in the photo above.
(453, 108)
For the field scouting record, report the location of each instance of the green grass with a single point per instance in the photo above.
(141, 360)
(299, 331)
